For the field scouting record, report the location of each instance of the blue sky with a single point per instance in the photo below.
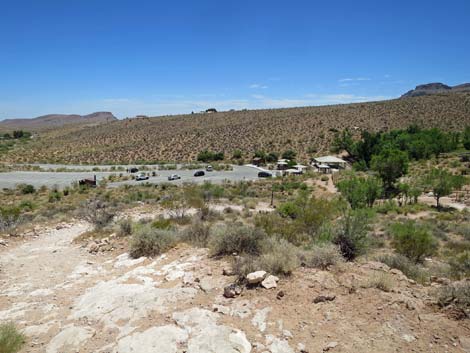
(167, 57)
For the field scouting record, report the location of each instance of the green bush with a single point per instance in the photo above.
(27, 189)
(236, 238)
(351, 234)
(11, 340)
(413, 240)
(149, 241)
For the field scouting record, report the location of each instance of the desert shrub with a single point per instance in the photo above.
(11, 340)
(148, 241)
(197, 233)
(54, 196)
(321, 257)
(413, 240)
(125, 227)
(382, 281)
(457, 294)
(236, 238)
(97, 212)
(351, 233)
(409, 268)
(279, 257)
(162, 223)
(10, 217)
(26, 189)
(460, 265)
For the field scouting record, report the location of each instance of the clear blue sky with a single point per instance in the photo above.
(165, 57)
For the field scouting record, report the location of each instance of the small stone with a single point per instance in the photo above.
(324, 298)
(93, 247)
(270, 282)
(232, 290)
(227, 271)
(301, 348)
(330, 346)
(256, 277)
(280, 295)
(409, 338)
(287, 334)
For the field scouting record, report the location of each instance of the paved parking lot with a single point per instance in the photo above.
(62, 179)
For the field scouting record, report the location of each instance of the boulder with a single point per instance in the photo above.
(270, 282)
(256, 277)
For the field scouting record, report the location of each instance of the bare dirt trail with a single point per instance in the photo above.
(67, 300)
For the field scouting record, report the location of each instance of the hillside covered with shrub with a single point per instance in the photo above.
(306, 130)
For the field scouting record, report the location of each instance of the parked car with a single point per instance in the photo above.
(199, 173)
(133, 170)
(264, 175)
(142, 176)
(209, 168)
(173, 177)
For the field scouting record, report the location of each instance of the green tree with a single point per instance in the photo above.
(289, 154)
(237, 154)
(441, 183)
(412, 240)
(466, 138)
(343, 142)
(390, 164)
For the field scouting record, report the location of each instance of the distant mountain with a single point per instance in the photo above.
(56, 120)
(436, 88)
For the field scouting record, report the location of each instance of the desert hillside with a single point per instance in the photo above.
(56, 121)
(180, 138)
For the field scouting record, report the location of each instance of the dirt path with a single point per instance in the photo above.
(67, 300)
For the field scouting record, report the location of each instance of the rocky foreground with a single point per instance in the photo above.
(69, 298)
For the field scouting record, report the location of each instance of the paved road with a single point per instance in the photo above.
(62, 179)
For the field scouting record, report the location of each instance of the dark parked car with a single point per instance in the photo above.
(133, 170)
(264, 175)
(199, 173)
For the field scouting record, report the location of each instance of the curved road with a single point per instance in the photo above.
(63, 179)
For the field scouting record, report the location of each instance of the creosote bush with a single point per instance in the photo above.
(413, 240)
(149, 241)
(11, 340)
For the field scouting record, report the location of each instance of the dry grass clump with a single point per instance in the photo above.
(11, 340)
(320, 256)
(382, 281)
